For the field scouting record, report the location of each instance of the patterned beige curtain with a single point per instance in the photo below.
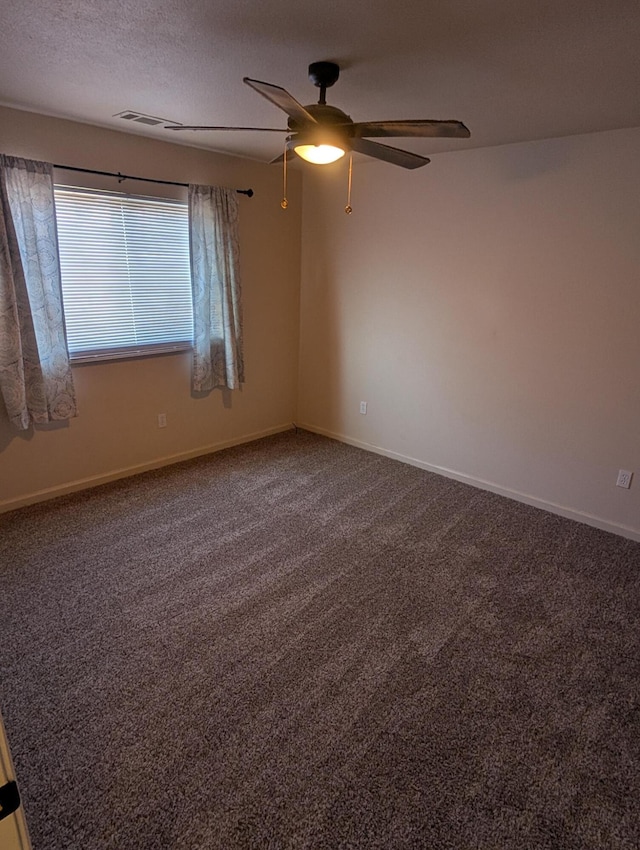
(35, 377)
(215, 282)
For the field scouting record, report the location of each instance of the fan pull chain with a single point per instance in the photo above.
(349, 209)
(284, 203)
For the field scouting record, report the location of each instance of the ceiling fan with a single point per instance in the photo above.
(321, 133)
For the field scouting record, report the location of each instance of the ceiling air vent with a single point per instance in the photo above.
(141, 118)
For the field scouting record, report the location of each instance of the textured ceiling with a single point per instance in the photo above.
(512, 70)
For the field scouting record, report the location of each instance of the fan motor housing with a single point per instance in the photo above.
(324, 115)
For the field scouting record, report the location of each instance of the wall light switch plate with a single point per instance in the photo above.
(363, 407)
(624, 479)
(162, 420)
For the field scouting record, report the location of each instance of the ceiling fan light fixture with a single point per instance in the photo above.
(319, 154)
(319, 145)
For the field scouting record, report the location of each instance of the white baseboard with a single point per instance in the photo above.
(126, 472)
(534, 501)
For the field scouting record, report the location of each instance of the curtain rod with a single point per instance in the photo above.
(121, 177)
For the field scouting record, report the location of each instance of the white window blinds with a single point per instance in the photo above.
(125, 273)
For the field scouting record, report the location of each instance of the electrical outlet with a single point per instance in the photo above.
(624, 479)
(162, 420)
(363, 407)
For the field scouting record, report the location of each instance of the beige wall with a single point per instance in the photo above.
(118, 402)
(487, 307)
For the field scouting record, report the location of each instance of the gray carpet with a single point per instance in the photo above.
(297, 644)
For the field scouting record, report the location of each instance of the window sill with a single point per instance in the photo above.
(82, 358)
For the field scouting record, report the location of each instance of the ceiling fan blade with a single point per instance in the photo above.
(417, 129)
(206, 127)
(283, 100)
(395, 156)
(290, 155)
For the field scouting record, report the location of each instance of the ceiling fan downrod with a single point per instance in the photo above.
(323, 75)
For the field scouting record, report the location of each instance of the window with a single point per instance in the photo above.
(126, 280)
